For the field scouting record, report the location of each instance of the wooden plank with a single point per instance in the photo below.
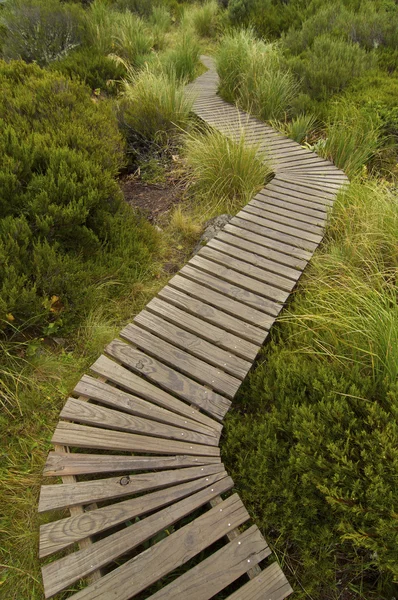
(59, 464)
(220, 299)
(270, 584)
(84, 412)
(298, 196)
(294, 204)
(261, 246)
(291, 220)
(220, 336)
(124, 378)
(181, 361)
(82, 436)
(309, 239)
(61, 534)
(55, 496)
(178, 548)
(194, 344)
(283, 183)
(282, 233)
(247, 263)
(237, 292)
(204, 261)
(284, 209)
(169, 379)
(251, 337)
(308, 184)
(219, 570)
(93, 389)
(276, 273)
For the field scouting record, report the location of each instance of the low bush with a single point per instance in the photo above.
(312, 445)
(254, 75)
(96, 70)
(40, 31)
(63, 227)
(223, 171)
(330, 65)
(154, 106)
(353, 137)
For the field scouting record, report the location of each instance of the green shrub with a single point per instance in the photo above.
(155, 105)
(183, 60)
(223, 171)
(63, 227)
(313, 448)
(254, 74)
(330, 65)
(353, 137)
(40, 31)
(96, 70)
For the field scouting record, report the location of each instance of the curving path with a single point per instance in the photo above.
(137, 444)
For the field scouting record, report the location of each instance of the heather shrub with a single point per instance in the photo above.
(40, 31)
(330, 65)
(63, 227)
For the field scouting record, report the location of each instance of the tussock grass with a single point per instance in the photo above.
(298, 129)
(182, 61)
(155, 105)
(205, 19)
(224, 172)
(254, 74)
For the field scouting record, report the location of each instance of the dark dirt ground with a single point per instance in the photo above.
(152, 200)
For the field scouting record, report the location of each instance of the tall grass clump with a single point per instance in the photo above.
(160, 22)
(353, 137)
(183, 60)
(254, 74)
(40, 31)
(299, 129)
(224, 172)
(205, 19)
(155, 105)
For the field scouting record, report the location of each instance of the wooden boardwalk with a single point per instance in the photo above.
(137, 445)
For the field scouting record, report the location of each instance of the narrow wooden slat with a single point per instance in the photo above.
(306, 185)
(271, 238)
(273, 206)
(93, 389)
(139, 573)
(181, 361)
(225, 286)
(193, 344)
(251, 337)
(61, 534)
(219, 298)
(131, 382)
(219, 570)
(291, 186)
(270, 584)
(83, 436)
(58, 464)
(304, 239)
(302, 198)
(296, 205)
(217, 335)
(311, 230)
(262, 246)
(81, 411)
(247, 263)
(84, 492)
(191, 391)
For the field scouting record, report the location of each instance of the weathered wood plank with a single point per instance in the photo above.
(93, 389)
(193, 344)
(169, 379)
(219, 570)
(274, 206)
(84, 412)
(58, 464)
(295, 205)
(131, 382)
(61, 534)
(251, 337)
(293, 235)
(311, 230)
(270, 584)
(321, 205)
(220, 336)
(56, 496)
(219, 298)
(139, 573)
(182, 361)
(225, 286)
(282, 182)
(246, 263)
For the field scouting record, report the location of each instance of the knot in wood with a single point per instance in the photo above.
(125, 480)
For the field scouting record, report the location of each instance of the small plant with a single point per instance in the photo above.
(224, 171)
(155, 105)
(298, 129)
(40, 31)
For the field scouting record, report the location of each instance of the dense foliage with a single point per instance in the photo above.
(63, 228)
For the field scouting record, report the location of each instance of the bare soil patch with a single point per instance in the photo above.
(151, 199)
